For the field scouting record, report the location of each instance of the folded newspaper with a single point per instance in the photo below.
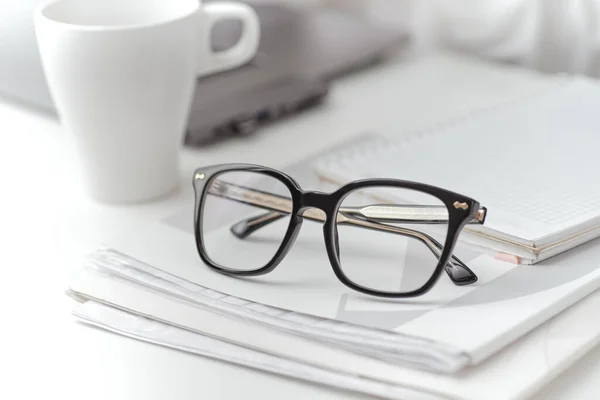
(441, 345)
(514, 373)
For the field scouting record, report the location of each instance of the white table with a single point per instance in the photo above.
(47, 225)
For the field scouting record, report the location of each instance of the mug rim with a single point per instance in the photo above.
(40, 14)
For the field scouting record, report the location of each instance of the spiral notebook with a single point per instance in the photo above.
(533, 163)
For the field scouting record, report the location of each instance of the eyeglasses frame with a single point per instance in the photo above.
(461, 211)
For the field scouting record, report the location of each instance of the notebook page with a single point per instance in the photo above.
(532, 163)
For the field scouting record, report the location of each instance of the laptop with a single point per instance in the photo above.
(299, 53)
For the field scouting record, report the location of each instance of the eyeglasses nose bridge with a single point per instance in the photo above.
(318, 203)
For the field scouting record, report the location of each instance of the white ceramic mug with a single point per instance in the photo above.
(122, 73)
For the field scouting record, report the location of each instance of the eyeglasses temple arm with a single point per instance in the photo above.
(248, 226)
(421, 214)
(408, 213)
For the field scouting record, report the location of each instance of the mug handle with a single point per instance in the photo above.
(242, 52)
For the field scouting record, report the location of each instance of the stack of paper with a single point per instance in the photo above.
(451, 343)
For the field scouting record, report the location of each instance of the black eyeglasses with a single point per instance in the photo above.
(384, 237)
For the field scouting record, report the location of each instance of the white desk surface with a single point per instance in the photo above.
(47, 225)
